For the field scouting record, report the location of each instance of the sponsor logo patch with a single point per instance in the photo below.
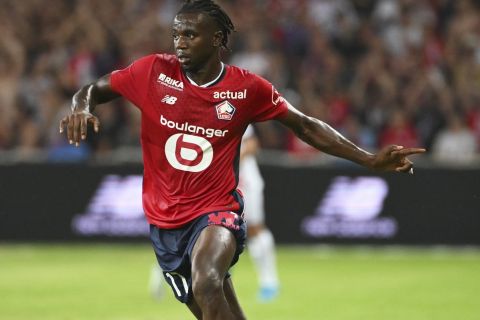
(233, 95)
(169, 99)
(193, 129)
(169, 82)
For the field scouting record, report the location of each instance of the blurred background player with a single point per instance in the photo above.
(156, 282)
(261, 245)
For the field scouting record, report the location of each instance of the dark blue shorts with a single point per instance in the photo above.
(173, 248)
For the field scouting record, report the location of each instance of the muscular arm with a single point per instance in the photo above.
(83, 104)
(321, 136)
(92, 94)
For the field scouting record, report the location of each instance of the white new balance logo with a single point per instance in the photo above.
(114, 210)
(352, 208)
(169, 99)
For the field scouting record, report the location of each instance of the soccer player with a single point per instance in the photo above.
(195, 110)
(261, 244)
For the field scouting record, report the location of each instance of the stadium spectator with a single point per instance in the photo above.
(456, 144)
(398, 130)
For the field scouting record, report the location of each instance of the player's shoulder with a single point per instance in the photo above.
(243, 74)
(246, 77)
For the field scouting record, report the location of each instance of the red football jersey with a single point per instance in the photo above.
(191, 135)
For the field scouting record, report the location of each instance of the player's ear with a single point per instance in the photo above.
(217, 39)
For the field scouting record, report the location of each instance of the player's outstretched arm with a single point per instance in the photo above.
(83, 104)
(324, 138)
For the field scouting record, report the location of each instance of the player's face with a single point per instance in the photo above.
(196, 40)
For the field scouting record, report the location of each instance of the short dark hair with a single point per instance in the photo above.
(214, 11)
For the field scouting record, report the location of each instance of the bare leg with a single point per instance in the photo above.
(211, 258)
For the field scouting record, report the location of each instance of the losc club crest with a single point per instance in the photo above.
(225, 110)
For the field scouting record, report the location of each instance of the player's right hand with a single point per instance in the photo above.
(77, 124)
(395, 158)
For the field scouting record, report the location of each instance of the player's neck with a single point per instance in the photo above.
(211, 82)
(208, 74)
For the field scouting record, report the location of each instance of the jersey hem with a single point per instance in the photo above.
(176, 225)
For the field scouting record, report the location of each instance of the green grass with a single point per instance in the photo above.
(63, 282)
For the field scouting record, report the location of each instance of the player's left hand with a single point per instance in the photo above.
(394, 158)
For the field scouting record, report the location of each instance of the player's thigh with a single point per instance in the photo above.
(213, 251)
(232, 299)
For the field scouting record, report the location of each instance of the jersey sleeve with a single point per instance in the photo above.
(268, 104)
(132, 82)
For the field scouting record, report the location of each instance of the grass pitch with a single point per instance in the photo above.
(70, 282)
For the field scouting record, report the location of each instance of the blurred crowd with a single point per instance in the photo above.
(381, 72)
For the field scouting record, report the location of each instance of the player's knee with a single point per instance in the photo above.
(206, 285)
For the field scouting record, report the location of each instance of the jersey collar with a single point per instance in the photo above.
(208, 84)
